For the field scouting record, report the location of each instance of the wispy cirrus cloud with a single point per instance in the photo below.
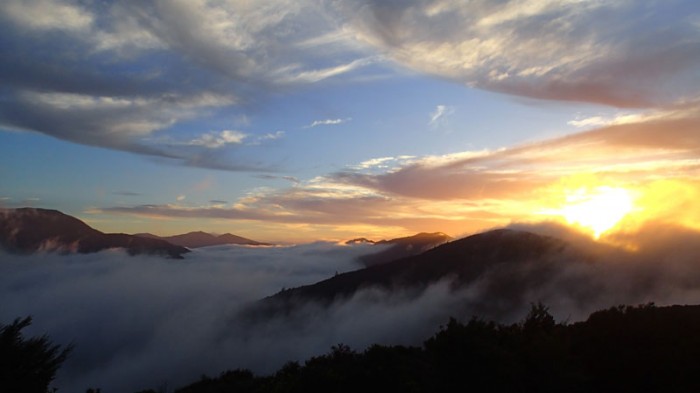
(328, 122)
(219, 139)
(292, 179)
(439, 117)
(599, 121)
(292, 75)
(382, 163)
(270, 136)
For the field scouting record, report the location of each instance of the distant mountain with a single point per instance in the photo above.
(401, 247)
(360, 240)
(203, 239)
(28, 230)
(516, 261)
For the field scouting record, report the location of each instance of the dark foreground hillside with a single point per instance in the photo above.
(623, 349)
(509, 266)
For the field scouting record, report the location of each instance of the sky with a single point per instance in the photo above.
(298, 120)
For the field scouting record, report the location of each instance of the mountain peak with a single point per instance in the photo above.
(198, 233)
(198, 239)
(360, 240)
(27, 230)
(419, 237)
(404, 247)
(43, 220)
(463, 261)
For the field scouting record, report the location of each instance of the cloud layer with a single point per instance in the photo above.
(623, 54)
(651, 155)
(141, 322)
(138, 322)
(122, 75)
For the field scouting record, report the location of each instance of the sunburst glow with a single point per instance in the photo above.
(598, 209)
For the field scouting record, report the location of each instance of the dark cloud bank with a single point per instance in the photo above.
(143, 322)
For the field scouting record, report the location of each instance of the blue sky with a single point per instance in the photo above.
(298, 120)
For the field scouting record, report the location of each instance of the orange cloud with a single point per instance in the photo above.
(655, 157)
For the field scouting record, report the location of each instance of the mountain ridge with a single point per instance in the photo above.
(29, 230)
(519, 259)
(401, 247)
(196, 239)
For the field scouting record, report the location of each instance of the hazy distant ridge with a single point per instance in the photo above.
(29, 230)
(401, 247)
(202, 239)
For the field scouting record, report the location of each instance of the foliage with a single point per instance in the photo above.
(623, 349)
(27, 365)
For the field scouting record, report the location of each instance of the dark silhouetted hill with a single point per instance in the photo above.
(623, 349)
(28, 230)
(28, 364)
(203, 239)
(516, 261)
(401, 247)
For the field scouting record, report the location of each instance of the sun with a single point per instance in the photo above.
(598, 209)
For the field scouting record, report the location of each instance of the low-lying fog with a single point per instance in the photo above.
(149, 322)
(140, 322)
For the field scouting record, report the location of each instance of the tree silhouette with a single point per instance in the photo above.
(27, 365)
(621, 349)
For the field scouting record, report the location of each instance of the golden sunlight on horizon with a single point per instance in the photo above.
(607, 208)
(597, 209)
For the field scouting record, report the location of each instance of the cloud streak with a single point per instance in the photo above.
(328, 122)
(439, 116)
(220, 139)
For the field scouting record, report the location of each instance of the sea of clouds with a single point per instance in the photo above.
(149, 322)
(145, 321)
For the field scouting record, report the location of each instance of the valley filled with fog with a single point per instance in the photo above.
(141, 322)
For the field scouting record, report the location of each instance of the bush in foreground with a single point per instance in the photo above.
(27, 365)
